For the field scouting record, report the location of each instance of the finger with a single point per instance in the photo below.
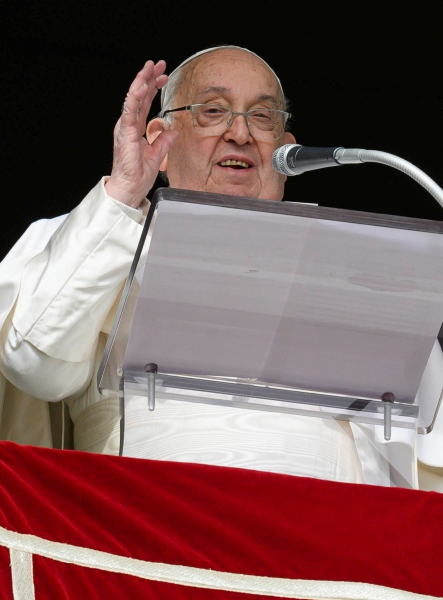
(141, 93)
(161, 81)
(150, 94)
(142, 76)
(146, 102)
(145, 96)
(135, 111)
(148, 72)
(151, 81)
(163, 142)
(132, 109)
(137, 102)
(159, 68)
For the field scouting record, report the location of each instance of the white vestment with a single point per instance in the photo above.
(59, 287)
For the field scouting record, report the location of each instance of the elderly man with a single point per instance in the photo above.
(61, 281)
(223, 115)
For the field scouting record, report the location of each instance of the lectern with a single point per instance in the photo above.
(237, 311)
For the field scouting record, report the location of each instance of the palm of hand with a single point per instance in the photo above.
(136, 162)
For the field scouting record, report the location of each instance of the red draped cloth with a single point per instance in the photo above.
(214, 518)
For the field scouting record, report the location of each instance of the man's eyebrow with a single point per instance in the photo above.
(212, 89)
(223, 90)
(267, 98)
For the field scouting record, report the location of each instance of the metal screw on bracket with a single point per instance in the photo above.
(388, 399)
(151, 370)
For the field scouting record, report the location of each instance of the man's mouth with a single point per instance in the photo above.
(234, 164)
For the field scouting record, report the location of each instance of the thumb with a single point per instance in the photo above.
(163, 143)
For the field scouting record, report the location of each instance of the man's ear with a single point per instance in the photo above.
(288, 138)
(153, 130)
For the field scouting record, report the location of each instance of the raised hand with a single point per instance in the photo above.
(136, 162)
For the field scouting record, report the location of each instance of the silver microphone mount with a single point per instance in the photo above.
(294, 159)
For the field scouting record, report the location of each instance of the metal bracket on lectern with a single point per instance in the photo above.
(151, 370)
(254, 395)
(388, 399)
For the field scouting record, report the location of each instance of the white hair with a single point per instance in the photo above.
(169, 91)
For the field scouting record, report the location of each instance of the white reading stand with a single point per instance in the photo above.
(278, 308)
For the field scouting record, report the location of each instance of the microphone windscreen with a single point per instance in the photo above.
(279, 159)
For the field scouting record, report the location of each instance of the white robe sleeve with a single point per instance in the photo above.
(60, 292)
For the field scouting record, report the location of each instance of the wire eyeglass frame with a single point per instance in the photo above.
(285, 116)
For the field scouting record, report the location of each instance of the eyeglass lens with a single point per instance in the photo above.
(212, 119)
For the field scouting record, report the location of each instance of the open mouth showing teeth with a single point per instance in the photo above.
(235, 164)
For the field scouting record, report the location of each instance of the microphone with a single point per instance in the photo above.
(293, 159)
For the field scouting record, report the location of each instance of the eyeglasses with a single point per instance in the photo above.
(213, 119)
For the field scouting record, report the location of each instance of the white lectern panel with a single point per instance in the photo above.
(289, 300)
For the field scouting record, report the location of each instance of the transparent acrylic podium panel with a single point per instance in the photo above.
(253, 310)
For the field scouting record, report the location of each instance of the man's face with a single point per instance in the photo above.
(240, 81)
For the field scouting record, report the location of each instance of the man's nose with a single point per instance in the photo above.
(238, 130)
